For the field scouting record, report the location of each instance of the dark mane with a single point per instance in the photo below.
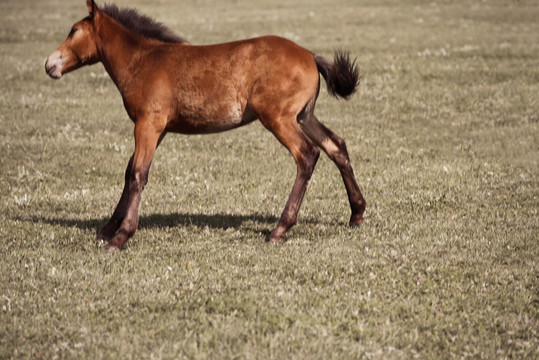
(141, 24)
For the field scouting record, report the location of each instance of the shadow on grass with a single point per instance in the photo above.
(215, 221)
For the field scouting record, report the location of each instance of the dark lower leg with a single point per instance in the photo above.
(290, 213)
(355, 197)
(129, 222)
(108, 231)
(357, 202)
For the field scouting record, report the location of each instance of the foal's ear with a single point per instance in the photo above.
(92, 7)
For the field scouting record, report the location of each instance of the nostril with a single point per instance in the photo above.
(51, 71)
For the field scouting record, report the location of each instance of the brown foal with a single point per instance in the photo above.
(168, 85)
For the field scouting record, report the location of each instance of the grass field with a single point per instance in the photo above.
(444, 138)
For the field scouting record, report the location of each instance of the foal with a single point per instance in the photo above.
(168, 85)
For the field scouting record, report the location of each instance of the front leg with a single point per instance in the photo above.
(148, 134)
(108, 231)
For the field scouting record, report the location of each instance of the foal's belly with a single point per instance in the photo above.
(210, 118)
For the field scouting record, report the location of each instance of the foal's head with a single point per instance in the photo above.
(78, 49)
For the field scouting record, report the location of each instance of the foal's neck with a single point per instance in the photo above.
(120, 51)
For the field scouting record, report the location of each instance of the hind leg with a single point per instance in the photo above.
(305, 154)
(335, 148)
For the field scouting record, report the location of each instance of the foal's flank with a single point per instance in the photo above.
(169, 85)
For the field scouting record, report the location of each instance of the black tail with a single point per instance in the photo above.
(342, 76)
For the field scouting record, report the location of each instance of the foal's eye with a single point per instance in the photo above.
(72, 32)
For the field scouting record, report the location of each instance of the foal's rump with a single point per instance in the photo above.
(286, 77)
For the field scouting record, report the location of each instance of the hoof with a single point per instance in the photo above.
(276, 239)
(111, 248)
(356, 220)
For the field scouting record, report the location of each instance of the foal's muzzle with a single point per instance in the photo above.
(53, 66)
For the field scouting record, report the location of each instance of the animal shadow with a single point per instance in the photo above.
(256, 222)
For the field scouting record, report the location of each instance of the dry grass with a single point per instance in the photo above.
(444, 138)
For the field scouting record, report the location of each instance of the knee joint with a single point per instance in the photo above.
(138, 180)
